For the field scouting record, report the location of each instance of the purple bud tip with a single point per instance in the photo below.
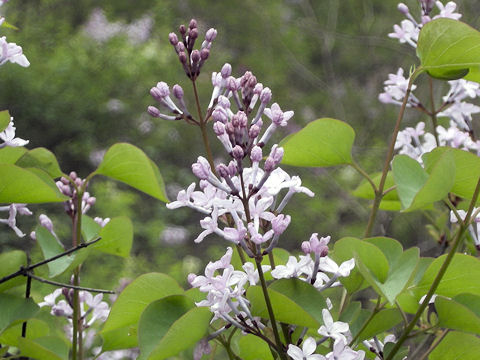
(256, 154)
(258, 89)
(266, 95)
(269, 165)
(403, 8)
(219, 115)
(172, 37)
(164, 90)
(180, 47)
(253, 132)
(324, 251)
(191, 278)
(242, 119)
(229, 129)
(204, 54)
(182, 57)
(219, 128)
(91, 200)
(193, 34)
(156, 93)
(237, 152)
(201, 168)
(232, 84)
(226, 70)
(195, 56)
(73, 175)
(153, 111)
(222, 170)
(232, 168)
(182, 29)
(211, 35)
(223, 102)
(65, 181)
(193, 24)
(306, 247)
(177, 91)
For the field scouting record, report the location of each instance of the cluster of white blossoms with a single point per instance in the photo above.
(11, 51)
(415, 142)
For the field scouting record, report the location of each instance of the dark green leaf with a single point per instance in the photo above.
(15, 309)
(10, 262)
(454, 315)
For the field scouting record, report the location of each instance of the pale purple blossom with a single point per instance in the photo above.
(11, 221)
(8, 137)
(306, 352)
(12, 52)
(334, 329)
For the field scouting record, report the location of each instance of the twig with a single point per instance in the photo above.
(59, 284)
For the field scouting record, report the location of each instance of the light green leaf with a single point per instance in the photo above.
(9, 263)
(457, 346)
(323, 142)
(127, 163)
(18, 185)
(41, 158)
(116, 237)
(44, 348)
(284, 308)
(461, 277)
(303, 294)
(254, 348)
(4, 119)
(10, 155)
(454, 315)
(383, 321)
(35, 329)
(467, 169)
(125, 313)
(90, 228)
(449, 49)
(15, 309)
(170, 325)
(50, 247)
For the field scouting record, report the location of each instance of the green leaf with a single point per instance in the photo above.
(125, 313)
(50, 247)
(383, 321)
(15, 309)
(44, 348)
(303, 294)
(467, 169)
(9, 263)
(10, 155)
(90, 229)
(4, 119)
(449, 49)
(416, 187)
(454, 315)
(254, 348)
(457, 345)
(43, 159)
(471, 301)
(170, 325)
(284, 308)
(19, 185)
(116, 237)
(389, 202)
(128, 164)
(461, 277)
(35, 329)
(323, 142)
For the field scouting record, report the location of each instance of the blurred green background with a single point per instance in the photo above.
(93, 63)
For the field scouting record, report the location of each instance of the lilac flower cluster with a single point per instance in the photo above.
(69, 189)
(11, 51)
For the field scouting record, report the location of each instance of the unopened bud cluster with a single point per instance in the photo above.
(67, 188)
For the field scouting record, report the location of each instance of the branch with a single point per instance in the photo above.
(59, 284)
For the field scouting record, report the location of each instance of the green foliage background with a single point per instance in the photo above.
(324, 58)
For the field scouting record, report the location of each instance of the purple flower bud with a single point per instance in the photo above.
(222, 170)
(427, 6)
(223, 102)
(253, 132)
(266, 95)
(232, 84)
(73, 175)
(256, 154)
(258, 89)
(280, 223)
(78, 182)
(232, 168)
(172, 37)
(182, 29)
(229, 129)
(153, 111)
(242, 119)
(195, 56)
(201, 168)
(46, 222)
(204, 54)
(163, 87)
(219, 115)
(237, 152)
(226, 70)
(91, 200)
(219, 128)
(33, 236)
(182, 57)
(193, 24)
(306, 247)
(180, 47)
(193, 34)
(276, 153)
(403, 8)
(324, 251)
(177, 91)
(269, 165)
(65, 181)
(156, 93)
(244, 79)
(211, 35)
(190, 278)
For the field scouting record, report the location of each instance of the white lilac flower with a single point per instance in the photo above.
(406, 32)
(292, 269)
(447, 11)
(306, 352)
(461, 112)
(395, 89)
(341, 351)
(11, 221)
(336, 330)
(12, 52)
(8, 137)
